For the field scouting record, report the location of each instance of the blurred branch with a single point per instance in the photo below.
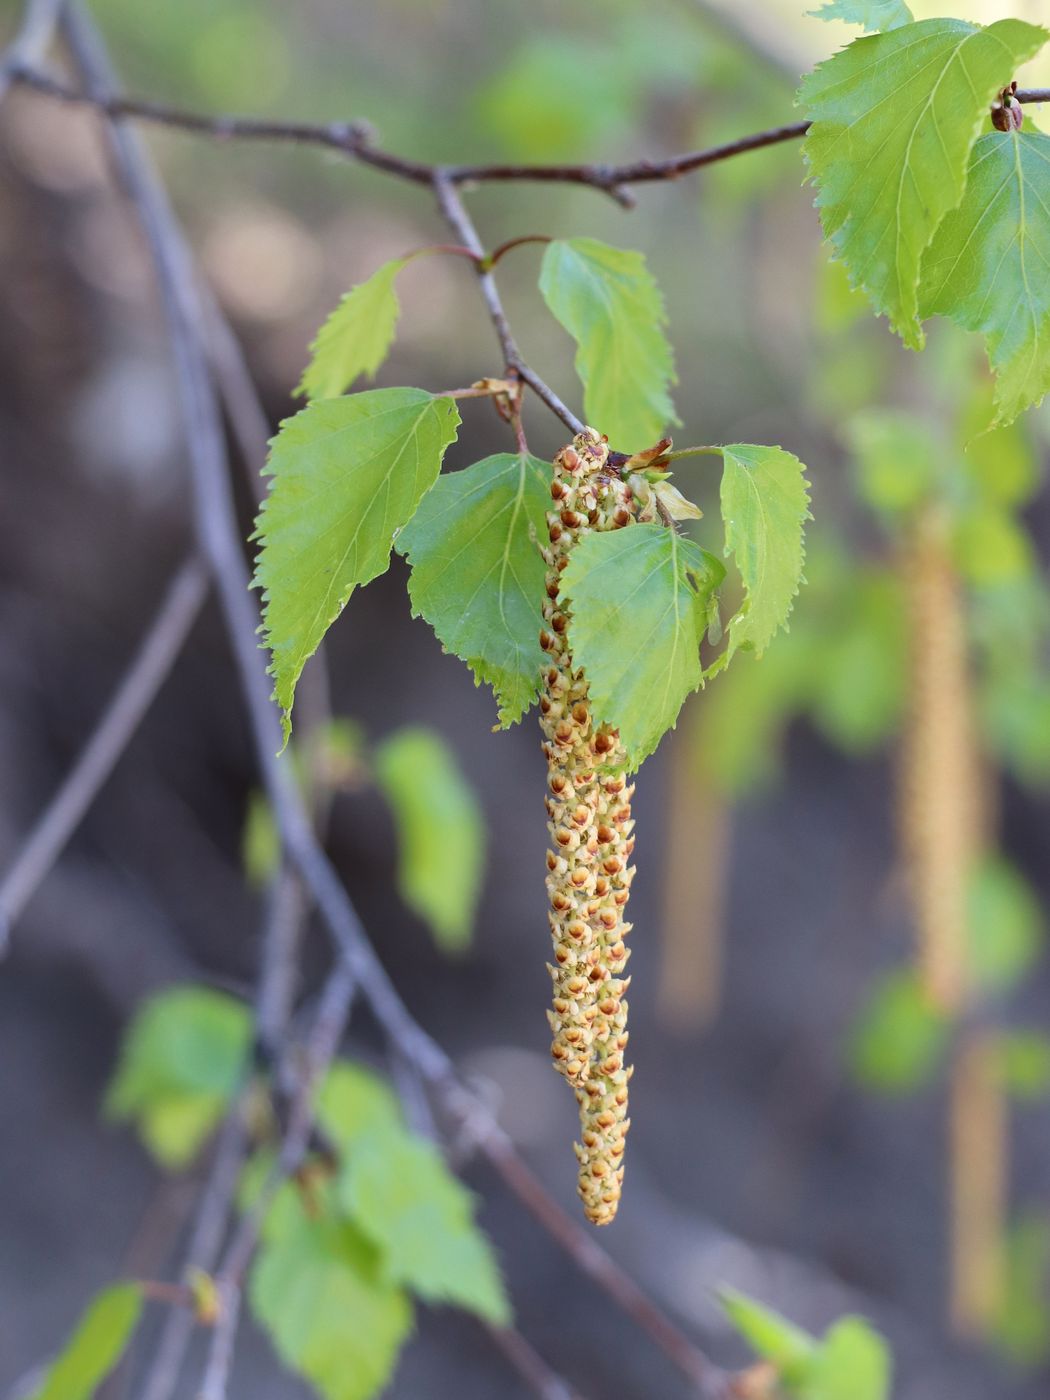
(122, 716)
(354, 140)
(30, 44)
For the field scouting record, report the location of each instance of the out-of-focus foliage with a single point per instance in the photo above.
(441, 832)
(97, 1344)
(181, 1061)
(850, 1362)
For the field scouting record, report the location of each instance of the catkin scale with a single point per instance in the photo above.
(589, 819)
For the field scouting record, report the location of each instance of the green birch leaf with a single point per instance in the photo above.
(333, 1317)
(347, 475)
(356, 337)
(852, 1363)
(607, 300)
(988, 267)
(639, 610)
(894, 119)
(353, 1102)
(765, 504)
(441, 833)
(399, 1191)
(181, 1060)
(99, 1341)
(770, 1336)
(872, 15)
(477, 573)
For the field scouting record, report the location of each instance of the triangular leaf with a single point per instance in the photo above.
(441, 834)
(347, 475)
(988, 265)
(894, 118)
(400, 1192)
(332, 1316)
(97, 1344)
(871, 14)
(477, 574)
(607, 300)
(356, 337)
(638, 598)
(765, 504)
(353, 1102)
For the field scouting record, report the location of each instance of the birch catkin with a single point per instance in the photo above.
(589, 876)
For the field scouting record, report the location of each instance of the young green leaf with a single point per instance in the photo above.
(765, 504)
(639, 613)
(987, 265)
(771, 1336)
(347, 475)
(477, 575)
(894, 119)
(607, 300)
(356, 337)
(871, 14)
(1005, 926)
(441, 833)
(181, 1061)
(852, 1363)
(899, 1039)
(97, 1344)
(353, 1102)
(319, 1292)
(398, 1190)
(1024, 1064)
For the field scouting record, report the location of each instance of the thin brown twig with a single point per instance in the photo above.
(220, 543)
(135, 693)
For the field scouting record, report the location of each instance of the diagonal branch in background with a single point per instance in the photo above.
(138, 688)
(220, 542)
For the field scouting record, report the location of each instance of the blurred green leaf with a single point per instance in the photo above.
(905, 108)
(1005, 926)
(319, 1292)
(770, 1336)
(607, 300)
(1001, 462)
(858, 672)
(872, 14)
(765, 503)
(99, 1341)
(347, 475)
(441, 832)
(353, 1103)
(1024, 1063)
(182, 1058)
(1022, 1328)
(638, 600)
(542, 107)
(899, 1038)
(990, 548)
(477, 573)
(899, 460)
(399, 1191)
(852, 1363)
(356, 337)
(986, 266)
(260, 841)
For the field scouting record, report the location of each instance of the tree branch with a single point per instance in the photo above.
(137, 689)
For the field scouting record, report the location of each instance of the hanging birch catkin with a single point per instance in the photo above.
(589, 875)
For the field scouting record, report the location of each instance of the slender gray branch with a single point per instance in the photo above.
(153, 661)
